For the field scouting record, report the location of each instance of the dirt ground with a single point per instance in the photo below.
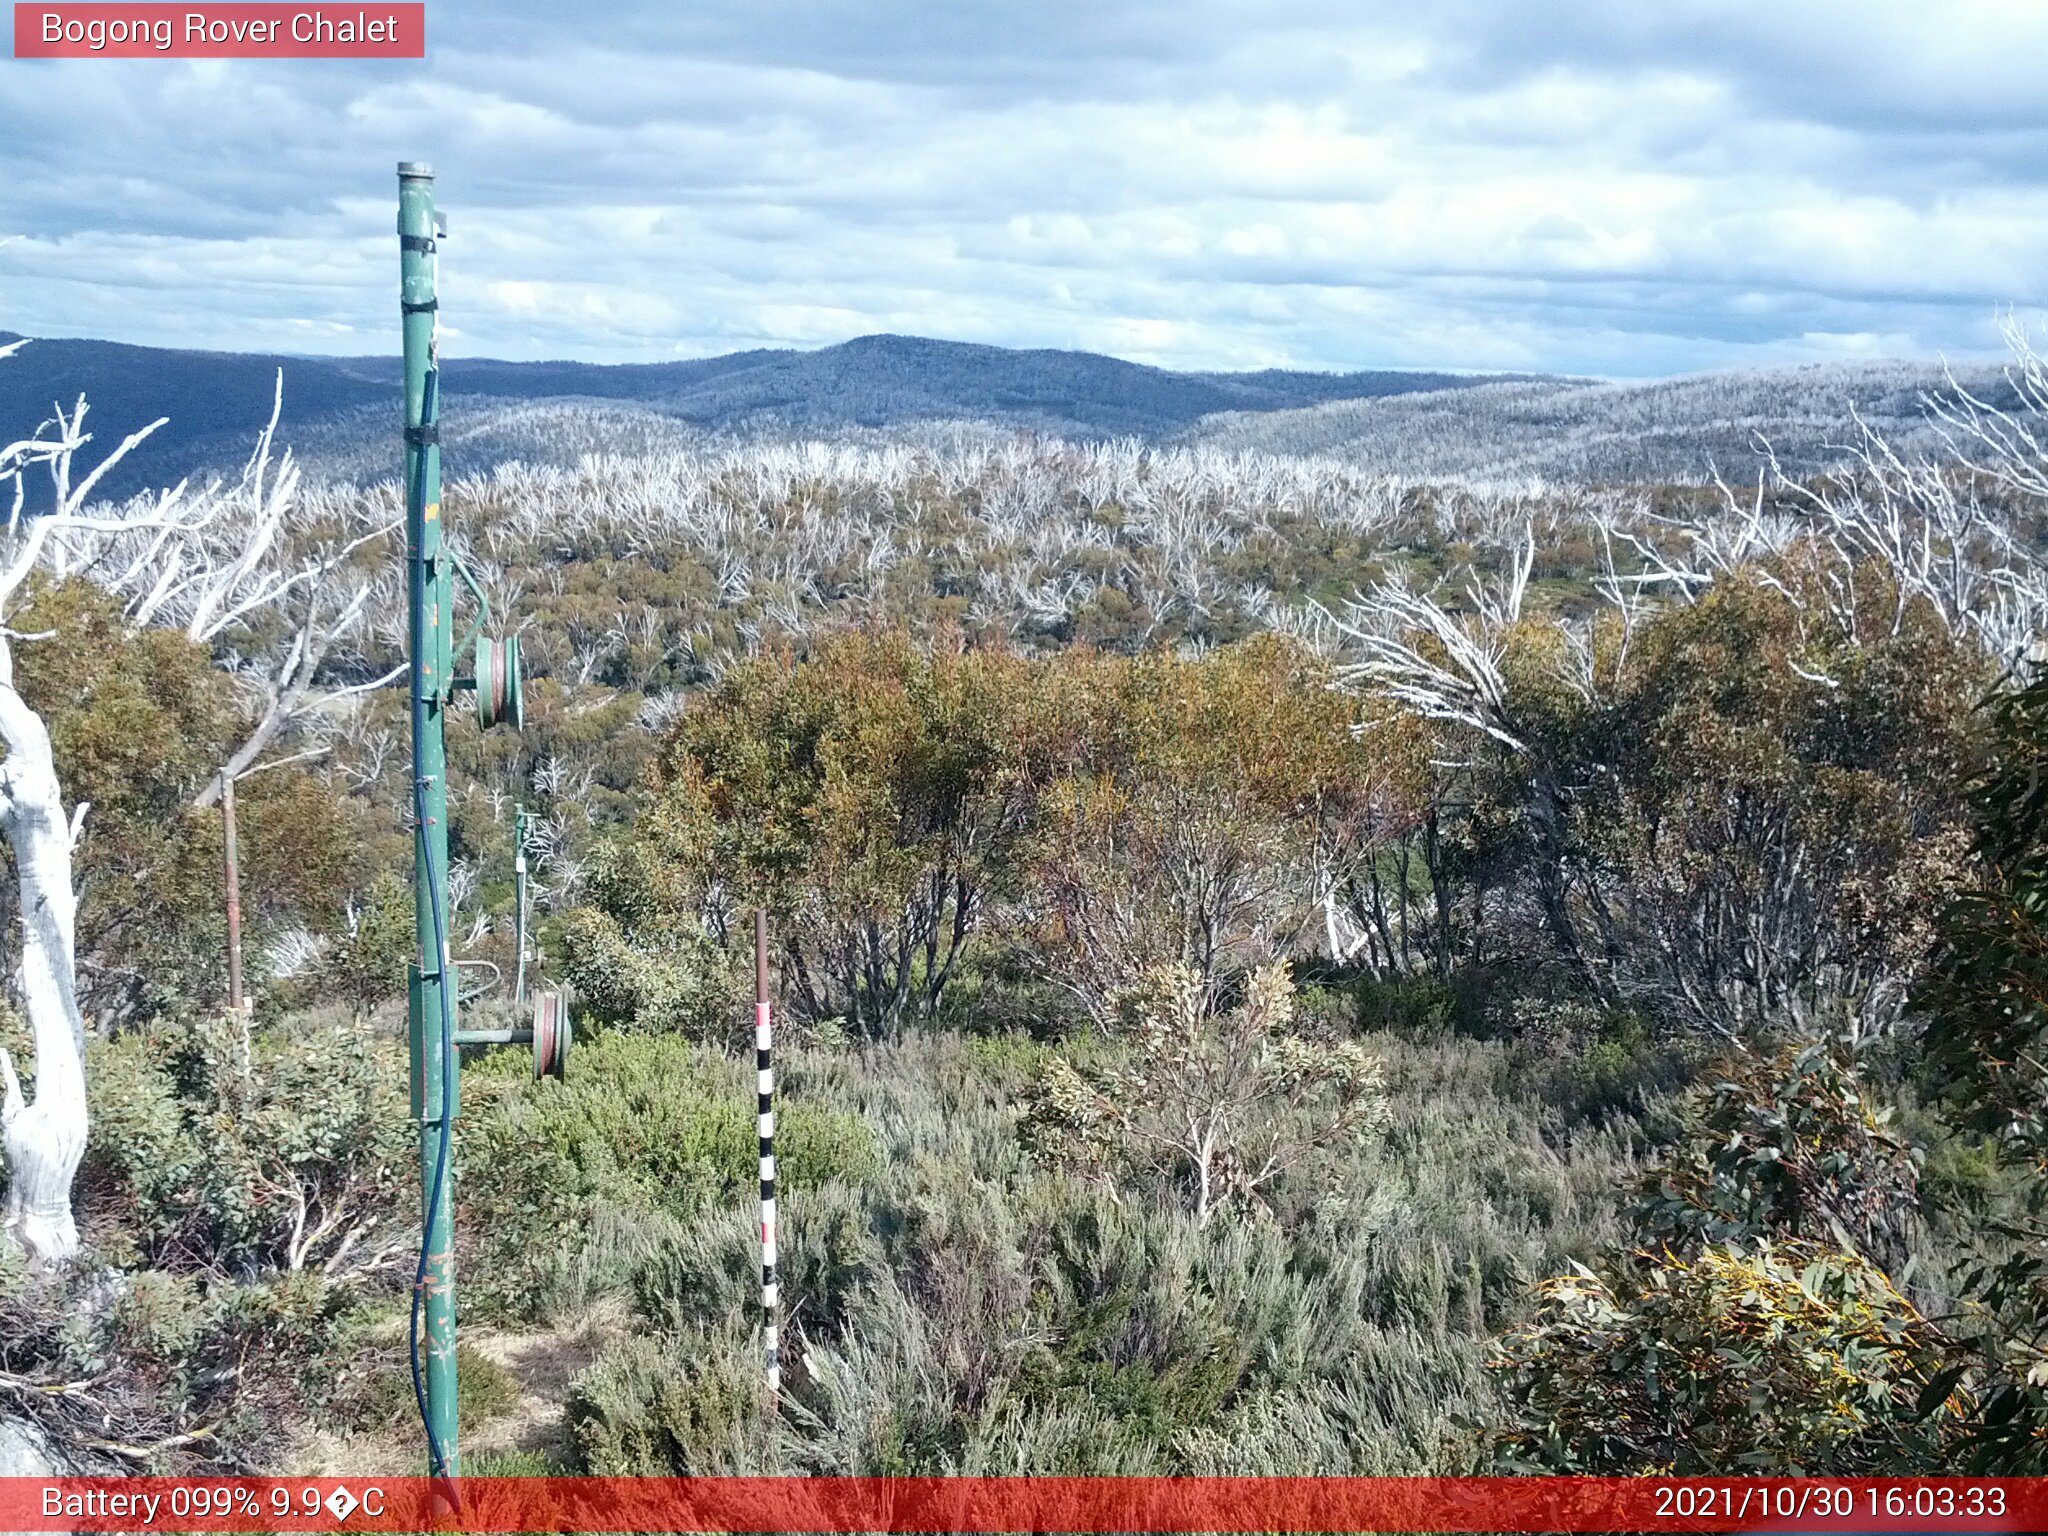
(543, 1363)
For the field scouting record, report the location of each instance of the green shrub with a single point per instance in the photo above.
(971, 1310)
(1421, 1007)
(1966, 1174)
(645, 1409)
(1216, 1102)
(1787, 1358)
(248, 1155)
(1607, 1064)
(570, 1186)
(508, 1464)
(205, 1371)
(366, 963)
(383, 1397)
(484, 1389)
(669, 980)
(157, 1316)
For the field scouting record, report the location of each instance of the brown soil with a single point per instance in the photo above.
(544, 1363)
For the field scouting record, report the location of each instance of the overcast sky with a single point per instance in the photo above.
(1632, 188)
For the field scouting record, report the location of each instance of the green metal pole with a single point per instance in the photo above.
(435, 1063)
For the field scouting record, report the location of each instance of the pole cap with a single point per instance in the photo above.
(415, 170)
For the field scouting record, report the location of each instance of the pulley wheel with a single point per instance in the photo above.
(500, 692)
(551, 1033)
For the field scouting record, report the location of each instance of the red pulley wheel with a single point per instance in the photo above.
(500, 690)
(552, 1033)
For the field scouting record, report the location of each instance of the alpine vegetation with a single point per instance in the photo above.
(1282, 962)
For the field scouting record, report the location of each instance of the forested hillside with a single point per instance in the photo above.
(338, 410)
(1286, 968)
(901, 391)
(1578, 431)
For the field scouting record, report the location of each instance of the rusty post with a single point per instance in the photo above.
(233, 874)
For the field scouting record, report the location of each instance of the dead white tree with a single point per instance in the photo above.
(272, 581)
(44, 1140)
(276, 581)
(1442, 664)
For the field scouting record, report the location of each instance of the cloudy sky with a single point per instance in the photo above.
(1632, 188)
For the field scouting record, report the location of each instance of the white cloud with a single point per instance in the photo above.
(1609, 188)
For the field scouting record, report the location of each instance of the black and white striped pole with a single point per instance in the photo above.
(764, 1063)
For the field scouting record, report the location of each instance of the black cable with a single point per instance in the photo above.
(437, 1456)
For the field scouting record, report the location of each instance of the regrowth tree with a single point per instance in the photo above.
(1221, 1098)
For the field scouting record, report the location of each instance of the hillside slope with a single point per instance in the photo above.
(340, 409)
(339, 412)
(1571, 430)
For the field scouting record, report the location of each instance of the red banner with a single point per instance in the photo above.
(1001, 1504)
(213, 31)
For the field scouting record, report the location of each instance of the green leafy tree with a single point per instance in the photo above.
(1986, 996)
(1221, 1100)
(1766, 815)
(1789, 1358)
(139, 721)
(1735, 816)
(1200, 813)
(898, 804)
(867, 796)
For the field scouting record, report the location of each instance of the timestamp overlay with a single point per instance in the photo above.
(1000, 1504)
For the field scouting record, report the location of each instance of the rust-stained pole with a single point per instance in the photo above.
(234, 891)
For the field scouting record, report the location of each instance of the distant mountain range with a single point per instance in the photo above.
(341, 411)
(340, 414)
(1588, 432)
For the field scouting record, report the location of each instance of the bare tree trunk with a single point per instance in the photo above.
(1205, 1157)
(212, 591)
(286, 702)
(44, 1140)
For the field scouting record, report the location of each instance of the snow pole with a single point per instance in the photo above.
(764, 1065)
(432, 995)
